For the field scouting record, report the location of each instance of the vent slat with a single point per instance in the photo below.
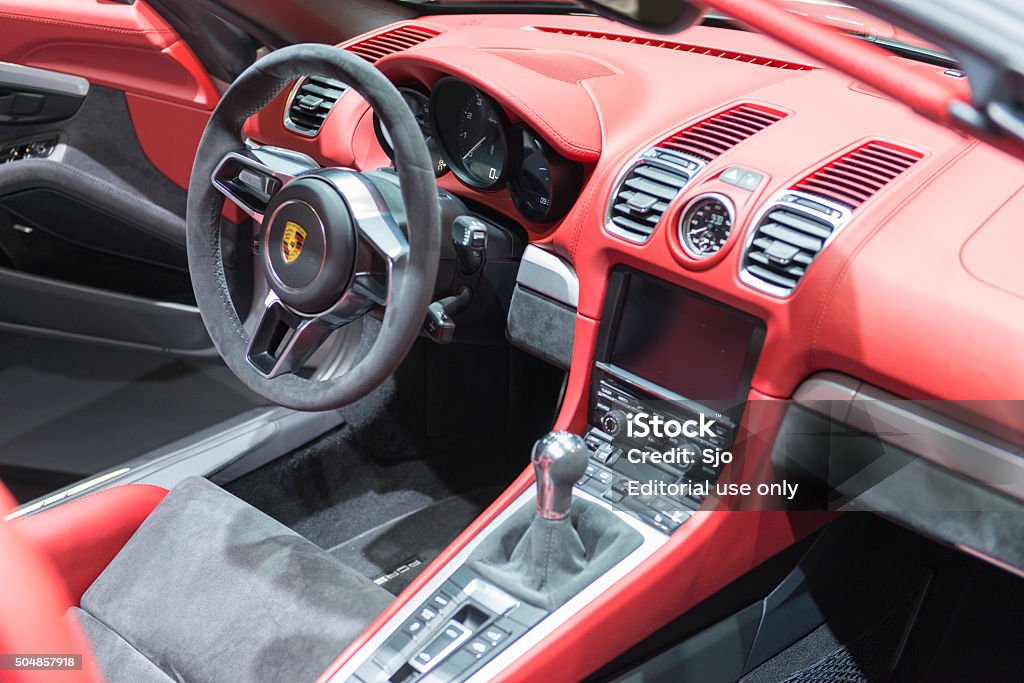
(856, 176)
(798, 222)
(395, 40)
(833, 192)
(771, 276)
(662, 176)
(651, 188)
(717, 134)
(797, 239)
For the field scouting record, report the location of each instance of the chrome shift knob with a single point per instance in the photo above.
(559, 461)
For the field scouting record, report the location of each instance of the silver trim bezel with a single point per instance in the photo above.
(683, 216)
(550, 275)
(648, 156)
(838, 222)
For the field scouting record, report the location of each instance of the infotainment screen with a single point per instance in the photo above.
(683, 342)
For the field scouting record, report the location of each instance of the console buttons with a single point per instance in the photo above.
(603, 476)
(742, 178)
(604, 452)
(478, 647)
(413, 627)
(445, 642)
(439, 601)
(494, 634)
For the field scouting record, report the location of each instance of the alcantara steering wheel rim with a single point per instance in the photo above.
(330, 247)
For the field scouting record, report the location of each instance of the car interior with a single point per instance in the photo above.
(438, 341)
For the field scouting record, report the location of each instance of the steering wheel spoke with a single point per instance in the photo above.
(382, 245)
(251, 176)
(284, 340)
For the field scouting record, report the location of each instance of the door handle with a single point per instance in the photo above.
(29, 95)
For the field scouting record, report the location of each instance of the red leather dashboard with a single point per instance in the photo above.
(918, 294)
(870, 306)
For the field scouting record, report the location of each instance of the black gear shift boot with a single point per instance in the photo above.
(546, 562)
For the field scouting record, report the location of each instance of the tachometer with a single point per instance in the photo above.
(419, 105)
(472, 132)
(706, 225)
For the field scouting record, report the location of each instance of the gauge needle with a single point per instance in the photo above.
(474, 148)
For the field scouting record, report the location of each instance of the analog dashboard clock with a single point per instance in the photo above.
(705, 225)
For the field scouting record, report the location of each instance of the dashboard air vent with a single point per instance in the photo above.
(389, 42)
(643, 194)
(789, 236)
(717, 134)
(310, 104)
(857, 175)
(676, 45)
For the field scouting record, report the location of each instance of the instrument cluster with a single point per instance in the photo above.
(469, 134)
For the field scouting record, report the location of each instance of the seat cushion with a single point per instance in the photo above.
(211, 589)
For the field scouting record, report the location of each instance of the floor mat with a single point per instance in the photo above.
(73, 409)
(396, 552)
(332, 490)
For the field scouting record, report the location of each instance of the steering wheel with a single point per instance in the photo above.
(331, 246)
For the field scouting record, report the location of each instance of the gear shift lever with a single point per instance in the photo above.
(546, 557)
(559, 461)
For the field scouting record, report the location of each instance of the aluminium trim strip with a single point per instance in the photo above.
(916, 429)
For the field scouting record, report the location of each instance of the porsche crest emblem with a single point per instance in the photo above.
(292, 241)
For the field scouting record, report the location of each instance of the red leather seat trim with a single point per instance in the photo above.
(34, 601)
(81, 537)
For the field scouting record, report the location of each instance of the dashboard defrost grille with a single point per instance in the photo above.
(717, 134)
(856, 176)
(645, 191)
(311, 103)
(680, 47)
(389, 42)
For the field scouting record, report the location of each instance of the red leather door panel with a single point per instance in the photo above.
(125, 47)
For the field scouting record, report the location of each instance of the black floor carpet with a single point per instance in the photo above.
(74, 409)
(332, 491)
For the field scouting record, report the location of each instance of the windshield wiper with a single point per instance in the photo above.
(914, 52)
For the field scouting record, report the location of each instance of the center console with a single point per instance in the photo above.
(671, 376)
(672, 371)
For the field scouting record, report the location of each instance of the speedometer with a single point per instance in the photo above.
(706, 224)
(471, 128)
